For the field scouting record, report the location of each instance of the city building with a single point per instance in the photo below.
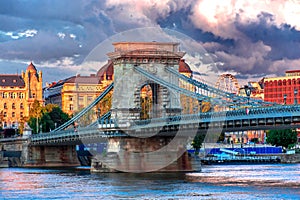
(76, 92)
(187, 103)
(256, 88)
(283, 90)
(17, 93)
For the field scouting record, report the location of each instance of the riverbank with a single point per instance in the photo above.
(290, 158)
(250, 159)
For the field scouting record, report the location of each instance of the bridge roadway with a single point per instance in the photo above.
(278, 117)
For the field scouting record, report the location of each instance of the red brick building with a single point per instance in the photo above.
(283, 90)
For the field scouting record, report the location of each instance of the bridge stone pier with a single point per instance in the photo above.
(143, 154)
(50, 156)
(18, 152)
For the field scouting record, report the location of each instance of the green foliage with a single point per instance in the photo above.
(285, 138)
(197, 142)
(46, 117)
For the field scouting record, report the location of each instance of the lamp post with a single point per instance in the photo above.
(295, 96)
(200, 105)
(248, 92)
(284, 99)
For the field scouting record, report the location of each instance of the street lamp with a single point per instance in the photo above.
(295, 96)
(248, 92)
(284, 99)
(200, 105)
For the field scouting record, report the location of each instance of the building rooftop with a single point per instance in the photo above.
(11, 80)
(31, 68)
(107, 69)
(184, 67)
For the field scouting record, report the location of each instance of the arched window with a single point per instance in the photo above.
(21, 95)
(5, 105)
(146, 99)
(21, 106)
(13, 106)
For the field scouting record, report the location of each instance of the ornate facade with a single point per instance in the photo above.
(75, 93)
(17, 93)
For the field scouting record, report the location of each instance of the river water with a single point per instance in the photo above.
(274, 181)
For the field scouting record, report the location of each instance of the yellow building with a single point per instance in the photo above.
(17, 93)
(75, 93)
(257, 90)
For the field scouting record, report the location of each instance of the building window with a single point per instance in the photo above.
(13, 106)
(71, 107)
(13, 114)
(70, 98)
(90, 99)
(5, 95)
(4, 114)
(80, 99)
(21, 106)
(33, 95)
(21, 114)
(21, 95)
(5, 105)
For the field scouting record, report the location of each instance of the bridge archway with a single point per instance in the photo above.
(152, 57)
(147, 98)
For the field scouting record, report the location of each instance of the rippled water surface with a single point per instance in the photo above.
(214, 182)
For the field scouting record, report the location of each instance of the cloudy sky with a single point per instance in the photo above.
(251, 39)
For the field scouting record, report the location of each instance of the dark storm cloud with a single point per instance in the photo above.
(257, 53)
(80, 23)
(248, 38)
(285, 41)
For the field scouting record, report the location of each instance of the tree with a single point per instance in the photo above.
(197, 142)
(283, 138)
(35, 114)
(49, 117)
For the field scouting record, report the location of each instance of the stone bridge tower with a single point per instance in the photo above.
(152, 57)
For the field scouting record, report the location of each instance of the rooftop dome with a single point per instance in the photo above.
(184, 67)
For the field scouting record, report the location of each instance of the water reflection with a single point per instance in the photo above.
(215, 182)
(258, 175)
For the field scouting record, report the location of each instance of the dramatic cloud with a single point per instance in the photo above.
(251, 39)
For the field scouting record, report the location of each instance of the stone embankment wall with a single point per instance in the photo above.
(290, 158)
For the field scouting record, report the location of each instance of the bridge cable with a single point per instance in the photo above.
(86, 109)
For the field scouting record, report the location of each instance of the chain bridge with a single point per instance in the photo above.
(131, 138)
